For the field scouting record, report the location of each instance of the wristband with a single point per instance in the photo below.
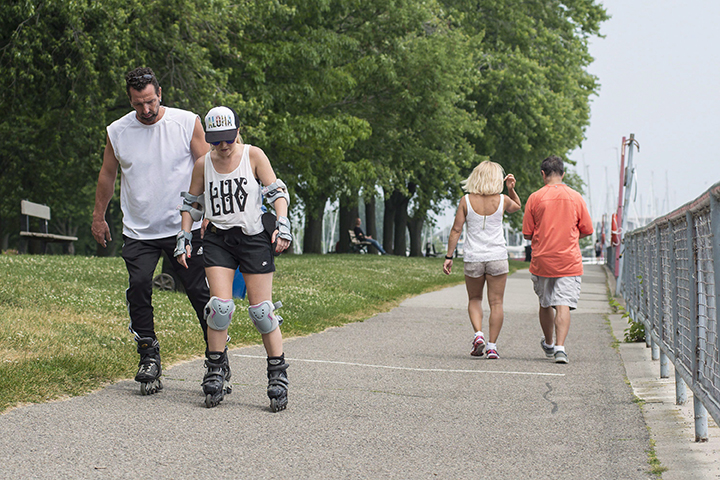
(448, 258)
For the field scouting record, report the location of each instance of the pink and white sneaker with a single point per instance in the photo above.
(492, 354)
(478, 346)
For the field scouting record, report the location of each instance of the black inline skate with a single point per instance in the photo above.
(149, 369)
(216, 383)
(277, 383)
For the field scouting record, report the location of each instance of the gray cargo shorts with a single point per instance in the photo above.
(557, 291)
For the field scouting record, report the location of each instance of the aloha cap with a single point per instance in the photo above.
(221, 125)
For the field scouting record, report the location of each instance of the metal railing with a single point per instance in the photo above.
(668, 283)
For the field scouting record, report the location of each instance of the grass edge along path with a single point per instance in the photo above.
(63, 319)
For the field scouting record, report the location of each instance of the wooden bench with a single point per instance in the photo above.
(42, 212)
(357, 246)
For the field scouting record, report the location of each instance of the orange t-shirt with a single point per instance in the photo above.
(555, 217)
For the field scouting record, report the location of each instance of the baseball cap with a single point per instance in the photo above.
(221, 125)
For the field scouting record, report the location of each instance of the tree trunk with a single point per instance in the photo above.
(348, 215)
(401, 203)
(312, 236)
(415, 225)
(388, 226)
(401, 222)
(370, 225)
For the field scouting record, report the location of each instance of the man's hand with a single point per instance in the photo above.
(101, 231)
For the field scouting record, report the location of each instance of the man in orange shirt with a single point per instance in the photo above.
(555, 219)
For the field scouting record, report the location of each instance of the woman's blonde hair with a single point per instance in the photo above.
(486, 179)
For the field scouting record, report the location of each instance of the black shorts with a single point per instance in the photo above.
(232, 249)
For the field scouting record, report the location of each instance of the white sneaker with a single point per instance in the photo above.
(561, 357)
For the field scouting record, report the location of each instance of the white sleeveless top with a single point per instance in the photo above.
(156, 164)
(233, 199)
(484, 240)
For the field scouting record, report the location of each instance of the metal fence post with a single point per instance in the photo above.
(715, 245)
(649, 290)
(643, 252)
(700, 412)
(659, 313)
(680, 389)
(680, 385)
(701, 421)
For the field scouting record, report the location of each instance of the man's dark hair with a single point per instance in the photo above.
(139, 78)
(552, 165)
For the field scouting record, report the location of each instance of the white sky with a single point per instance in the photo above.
(659, 71)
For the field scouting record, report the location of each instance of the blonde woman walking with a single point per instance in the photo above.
(485, 253)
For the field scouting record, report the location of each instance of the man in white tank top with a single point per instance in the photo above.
(155, 148)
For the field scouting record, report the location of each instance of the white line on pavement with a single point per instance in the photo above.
(412, 369)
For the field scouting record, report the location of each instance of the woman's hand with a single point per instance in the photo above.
(510, 181)
(282, 243)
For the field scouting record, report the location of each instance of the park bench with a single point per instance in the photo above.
(30, 210)
(357, 246)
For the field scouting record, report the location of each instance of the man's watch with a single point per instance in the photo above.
(448, 258)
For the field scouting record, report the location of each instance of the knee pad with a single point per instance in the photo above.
(263, 317)
(218, 313)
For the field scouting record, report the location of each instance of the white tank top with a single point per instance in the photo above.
(233, 199)
(156, 164)
(484, 240)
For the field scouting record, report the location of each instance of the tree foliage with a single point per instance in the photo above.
(347, 97)
(533, 90)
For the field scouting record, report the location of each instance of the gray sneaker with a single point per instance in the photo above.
(561, 357)
(549, 351)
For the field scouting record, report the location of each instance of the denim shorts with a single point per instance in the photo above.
(232, 249)
(492, 268)
(557, 291)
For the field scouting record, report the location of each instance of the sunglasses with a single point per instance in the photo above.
(218, 143)
(147, 76)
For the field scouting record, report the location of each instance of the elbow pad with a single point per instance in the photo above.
(187, 206)
(276, 190)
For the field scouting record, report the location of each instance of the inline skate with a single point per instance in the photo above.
(149, 368)
(216, 382)
(277, 383)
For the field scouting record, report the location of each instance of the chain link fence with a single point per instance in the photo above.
(668, 283)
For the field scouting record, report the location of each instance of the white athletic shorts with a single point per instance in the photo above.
(493, 268)
(557, 291)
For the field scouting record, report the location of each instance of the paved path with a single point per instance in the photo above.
(395, 396)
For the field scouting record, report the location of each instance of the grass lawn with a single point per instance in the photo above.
(64, 322)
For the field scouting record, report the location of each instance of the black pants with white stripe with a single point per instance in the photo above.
(141, 258)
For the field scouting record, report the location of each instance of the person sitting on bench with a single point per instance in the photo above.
(360, 235)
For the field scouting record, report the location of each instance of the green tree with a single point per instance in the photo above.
(294, 60)
(533, 89)
(411, 92)
(62, 66)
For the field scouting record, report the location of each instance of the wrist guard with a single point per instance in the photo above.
(282, 224)
(183, 240)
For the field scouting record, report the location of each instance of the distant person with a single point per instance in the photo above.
(485, 250)
(598, 249)
(155, 148)
(360, 235)
(227, 183)
(555, 219)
